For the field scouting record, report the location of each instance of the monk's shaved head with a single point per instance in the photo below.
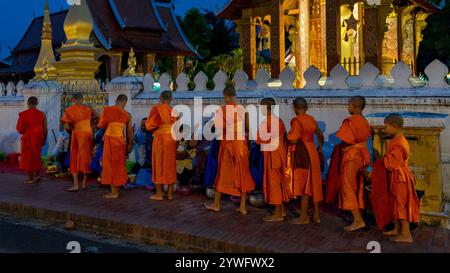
(268, 102)
(122, 98)
(300, 103)
(78, 97)
(229, 91)
(358, 102)
(166, 96)
(32, 101)
(394, 120)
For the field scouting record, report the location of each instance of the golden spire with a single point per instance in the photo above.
(78, 61)
(131, 70)
(46, 54)
(78, 24)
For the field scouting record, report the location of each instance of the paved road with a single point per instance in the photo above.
(24, 236)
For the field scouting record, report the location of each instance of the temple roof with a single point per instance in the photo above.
(145, 25)
(233, 9)
(426, 5)
(142, 16)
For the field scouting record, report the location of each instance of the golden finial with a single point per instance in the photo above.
(131, 70)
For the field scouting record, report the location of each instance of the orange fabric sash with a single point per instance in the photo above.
(83, 126)
(289, 173)
(164, 130)
(115, 129)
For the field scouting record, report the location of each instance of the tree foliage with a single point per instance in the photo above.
(210, 35)
(436, 37)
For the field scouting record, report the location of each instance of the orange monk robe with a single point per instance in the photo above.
(307, 175)
(380, 198)
(404, 200)
(81, 143)
(164, 147)
(114, 119)
(354, 133)
(233, 173)
(32, 126)
(276, 187)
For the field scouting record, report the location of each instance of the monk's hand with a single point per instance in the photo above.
(291, 148)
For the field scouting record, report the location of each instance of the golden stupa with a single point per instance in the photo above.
(78, 61)
(44, 68)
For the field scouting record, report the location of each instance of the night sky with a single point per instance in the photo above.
(16, 15)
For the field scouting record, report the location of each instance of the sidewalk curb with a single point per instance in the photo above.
(135, 232)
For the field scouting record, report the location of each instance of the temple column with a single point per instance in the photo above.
(408, 18)
(333, 34)
(247, 32)
(315, 38)
(371, 43)
(303, 61)
(149, 63)
(399, 12)
(323, 36)
(419, 25)
(277, 47)
(177, 65)
(116, 64)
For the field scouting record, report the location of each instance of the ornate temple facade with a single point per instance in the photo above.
(323, 33)
(150, 27)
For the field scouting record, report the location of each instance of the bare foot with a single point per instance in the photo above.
(29, 182)
(111, 196)
(316, 219)
(211, 207)
(155, 197)
(273, 218)
(391, 232)
(355, 227)
(402, 239)
(169, 196)
(73, 189)
(242, 211)
(300, 221)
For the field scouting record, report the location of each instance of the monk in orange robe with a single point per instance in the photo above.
(403, 196)
(164, 147)
(272, 137)
(77, 118)
(233, 175)
(307, 181)
(116, 145)
(354, 157)
(32, 125)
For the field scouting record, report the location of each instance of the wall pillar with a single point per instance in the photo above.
(116, 64)
(277, 50)
(149, 63)
(177, 66)
(333, 34)
(371, 43)
(247, 32)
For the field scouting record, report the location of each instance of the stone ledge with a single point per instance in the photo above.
(130, 231)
